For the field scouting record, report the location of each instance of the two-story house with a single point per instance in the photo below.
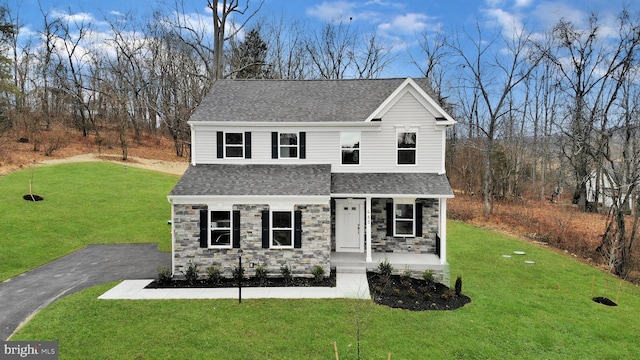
(310, 173)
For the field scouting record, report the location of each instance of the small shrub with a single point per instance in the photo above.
(406, 274)
(458, 286)
(164, 275)
(395, 291)
(427, 275)
(191, 275)
(378, 289)
(318, 273)
(261, 274)
(238, 273)
(385, 268)
(427, 295)
(448, 295)
(412, 292)
(285, 271)
(213, 274)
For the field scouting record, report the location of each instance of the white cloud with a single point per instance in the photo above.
(510, 24)
(333, 11)
(406, 24)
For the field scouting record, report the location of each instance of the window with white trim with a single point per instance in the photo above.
(350, 147)
(234, 145)
(220, 229)
(288, 145)
(404, 219)
(406, 147)
(282, 229)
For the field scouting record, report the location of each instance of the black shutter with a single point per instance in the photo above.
(236, 229)
(418, 219)
(265, 229)
(247, 145)
(274, 145)
(297, 229)
(303, 145)
(220, 144)
(204, 220)
(389, 218)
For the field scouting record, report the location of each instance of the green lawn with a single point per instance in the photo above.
(518, 311)
(85, 203)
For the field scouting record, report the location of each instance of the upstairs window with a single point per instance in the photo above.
(288, 145)
(350, 147)
(234, 145)
(406, 148)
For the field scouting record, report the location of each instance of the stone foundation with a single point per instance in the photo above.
(315, 250)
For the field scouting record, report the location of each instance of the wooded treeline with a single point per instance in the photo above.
(539, 114)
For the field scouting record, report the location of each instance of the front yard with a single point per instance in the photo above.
(518, 310)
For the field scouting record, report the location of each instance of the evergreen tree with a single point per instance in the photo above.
(248, 58)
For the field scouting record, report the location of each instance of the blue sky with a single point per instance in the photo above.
(395, 22)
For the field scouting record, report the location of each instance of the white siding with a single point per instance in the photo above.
(378, 145)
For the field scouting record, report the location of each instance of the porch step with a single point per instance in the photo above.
(350, 270)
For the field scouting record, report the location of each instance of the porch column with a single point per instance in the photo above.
(443, 231)
(368, 227)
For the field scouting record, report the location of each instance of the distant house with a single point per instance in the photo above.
(601, 189)
(309, 173)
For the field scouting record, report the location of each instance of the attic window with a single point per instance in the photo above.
(376, 119)
(441, 119)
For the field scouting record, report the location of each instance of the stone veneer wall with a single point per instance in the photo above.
(315, 251)
(426, 244)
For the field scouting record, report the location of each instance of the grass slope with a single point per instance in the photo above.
(541, 311)
(85, 203)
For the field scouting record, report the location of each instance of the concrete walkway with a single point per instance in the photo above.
(353, 285)
(24, 295)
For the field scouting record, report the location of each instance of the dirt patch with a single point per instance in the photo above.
(170, 167)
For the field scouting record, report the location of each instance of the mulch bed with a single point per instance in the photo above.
(329, 281)
(413, 294)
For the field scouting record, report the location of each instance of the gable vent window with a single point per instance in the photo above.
(350, 146)
(407, 148)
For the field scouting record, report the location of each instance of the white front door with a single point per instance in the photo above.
(349, 225)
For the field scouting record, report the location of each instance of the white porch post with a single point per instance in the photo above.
(443, 231)
(368, 227)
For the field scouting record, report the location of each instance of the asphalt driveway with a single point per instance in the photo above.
(24, 295)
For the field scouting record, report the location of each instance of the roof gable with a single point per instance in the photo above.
(302, 100)
(420, 94)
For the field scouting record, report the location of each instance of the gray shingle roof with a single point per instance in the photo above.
(302, 180)
(391, 184)
(230, 180)
(296, 100)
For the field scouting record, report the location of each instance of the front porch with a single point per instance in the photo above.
(416, 263)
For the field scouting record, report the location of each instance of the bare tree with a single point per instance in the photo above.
(494, 76)
(222, 11)
(589, 66)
